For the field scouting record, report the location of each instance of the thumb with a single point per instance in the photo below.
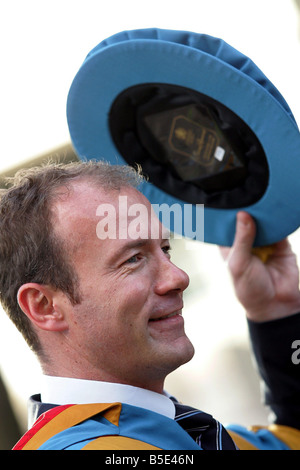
(241, 250)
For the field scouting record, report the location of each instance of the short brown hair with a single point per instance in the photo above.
(29, 250)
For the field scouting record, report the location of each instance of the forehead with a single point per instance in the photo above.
(81, 211)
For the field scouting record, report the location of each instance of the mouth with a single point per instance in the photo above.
(166, 317)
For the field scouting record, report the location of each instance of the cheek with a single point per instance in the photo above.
(134, 301)
(116, 309)
(132, 289)
(129, 321)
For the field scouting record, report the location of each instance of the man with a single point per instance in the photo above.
(95, 294)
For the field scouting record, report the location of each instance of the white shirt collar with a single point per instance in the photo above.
(65, 390)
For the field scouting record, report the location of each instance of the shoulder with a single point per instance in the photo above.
(107, 426)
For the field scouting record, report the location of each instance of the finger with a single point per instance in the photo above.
(241, 252)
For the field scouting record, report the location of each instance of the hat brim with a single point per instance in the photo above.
(213, 68)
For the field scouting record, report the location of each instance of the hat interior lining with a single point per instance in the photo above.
(189, 145)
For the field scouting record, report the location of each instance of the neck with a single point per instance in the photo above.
(64, 370)
(66, 361)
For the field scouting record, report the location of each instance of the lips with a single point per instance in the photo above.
(165, 317)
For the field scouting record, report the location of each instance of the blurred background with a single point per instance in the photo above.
(42, 46)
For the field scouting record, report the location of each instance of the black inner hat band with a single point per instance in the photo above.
(189, 145)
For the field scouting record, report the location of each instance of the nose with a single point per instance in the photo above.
(170, 278)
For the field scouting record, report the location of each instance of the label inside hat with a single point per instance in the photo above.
(193, 143)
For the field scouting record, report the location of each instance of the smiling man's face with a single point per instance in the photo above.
(129, 325)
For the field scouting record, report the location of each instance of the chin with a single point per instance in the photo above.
(189, 354)
(183, 354)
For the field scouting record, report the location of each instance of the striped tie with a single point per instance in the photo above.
(203, 428)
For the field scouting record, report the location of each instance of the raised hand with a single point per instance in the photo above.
(267, 289)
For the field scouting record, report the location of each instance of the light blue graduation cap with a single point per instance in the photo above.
(206, 125)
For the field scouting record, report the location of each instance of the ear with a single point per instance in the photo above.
(40, 304)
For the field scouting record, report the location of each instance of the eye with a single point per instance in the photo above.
(166, 249)
(133, 259)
